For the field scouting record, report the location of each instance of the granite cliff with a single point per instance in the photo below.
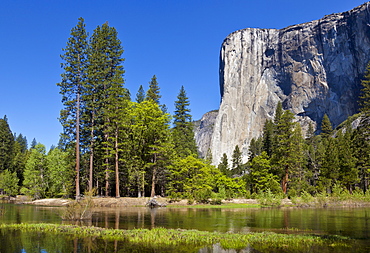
(313, 68)
(203, 130)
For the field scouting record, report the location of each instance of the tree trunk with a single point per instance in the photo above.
(152, 194)
(91, 162)
(116, 162)
(285, 180)
(78, 146)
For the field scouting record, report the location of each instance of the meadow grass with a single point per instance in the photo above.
(161, 238)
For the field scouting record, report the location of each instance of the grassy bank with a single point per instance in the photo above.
(164, 239)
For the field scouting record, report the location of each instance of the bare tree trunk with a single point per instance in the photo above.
(78, 145)
(152, 194)
(91, 162)
(285, 180)
(117, 171)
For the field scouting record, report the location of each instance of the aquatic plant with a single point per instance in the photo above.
(163, 239)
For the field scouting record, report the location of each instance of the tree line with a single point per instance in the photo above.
(123, 147)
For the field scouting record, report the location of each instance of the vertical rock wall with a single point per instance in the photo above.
(313, 68)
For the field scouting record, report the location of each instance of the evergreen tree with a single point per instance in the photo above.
(314, 150)
(287, 154)
(364, 101)
(237, 165)
(255, 148)
(106, 96)
(153, 92)
(22, 140)
(140, 96)
(9, 182)
(224, 165)
(71, 89)
(348, 174)
(268, 137)
(278, 112)
(326, 127)
(33, 143)
(330, 165)
(261, 175)
(182, 132)
(6, 145)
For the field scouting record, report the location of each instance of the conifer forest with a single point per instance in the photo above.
(119, 144)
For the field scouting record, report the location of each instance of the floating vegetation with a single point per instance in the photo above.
(164, 239)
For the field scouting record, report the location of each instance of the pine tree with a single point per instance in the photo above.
(71, 89)
(153, 92)
(268, 137)
(33, 143)
(326, 127)
(6, 146)
(105, 75)
(255, 148)
(140, 96)
(278, 112)
(223, 166)
(287, 154)
(364, 101)
(237, 166)
(182, 132)
(9, 182)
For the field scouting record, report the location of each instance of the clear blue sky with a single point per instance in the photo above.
(177, 40)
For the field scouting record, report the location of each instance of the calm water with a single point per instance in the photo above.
(351, 222)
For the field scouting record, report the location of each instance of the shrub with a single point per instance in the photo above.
(267, 198)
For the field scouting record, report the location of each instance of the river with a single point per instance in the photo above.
(350, 222)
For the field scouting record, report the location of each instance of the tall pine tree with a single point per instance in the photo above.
(71, 88)
(182, 132)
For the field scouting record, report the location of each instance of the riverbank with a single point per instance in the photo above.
(232, 203)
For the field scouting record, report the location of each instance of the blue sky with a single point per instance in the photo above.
(178, 41)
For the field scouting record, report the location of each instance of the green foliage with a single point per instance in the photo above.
(261, 175)
(267, 198)
(224, 165)
(180, 240)
(9, 182)
(364, 99)
(59, 173)
(153, 93)
(326, 127)
(140, 96)
(182, 132)
(6, 145)
(237, 165)
(36, 174)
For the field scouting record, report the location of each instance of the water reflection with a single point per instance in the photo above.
(352, 222)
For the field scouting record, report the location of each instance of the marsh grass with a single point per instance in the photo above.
(163, 239)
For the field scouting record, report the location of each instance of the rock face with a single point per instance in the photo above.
(313, 68)
(203, 129)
